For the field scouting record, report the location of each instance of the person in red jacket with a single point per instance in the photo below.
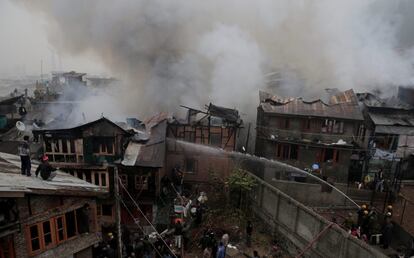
(47, 172)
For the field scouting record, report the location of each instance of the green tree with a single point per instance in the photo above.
(241, 181)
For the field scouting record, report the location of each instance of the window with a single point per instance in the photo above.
(60, 228)
(287, 151)
(100, 178)
(47, 234)
(361, 131)
(215, 139)
(70, 219)
(48, 145)
(332, 126)
(387, 142)
(34, 238)
(330, 155)
(103, 145)
(191, 165)
(284, 123)
(306, 124)
(55, 145)
(141, 182)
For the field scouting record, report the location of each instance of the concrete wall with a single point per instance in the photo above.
(300, 225)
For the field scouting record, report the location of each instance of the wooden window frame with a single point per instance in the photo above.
(63, 227)
(41, 237)
(100, 178)
(101, 149)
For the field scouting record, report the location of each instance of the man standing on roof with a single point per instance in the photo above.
(24, 153)
(47, 172)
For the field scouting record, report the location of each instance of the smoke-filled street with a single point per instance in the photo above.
(218, 129)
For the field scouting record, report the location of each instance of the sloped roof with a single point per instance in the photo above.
(343, 105)
(150, 154)
(13, 183)
(56, 126)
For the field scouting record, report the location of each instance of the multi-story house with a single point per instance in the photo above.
(89, 152)
(302, 133)
(391, 125)
(217, 127)
(41, 218)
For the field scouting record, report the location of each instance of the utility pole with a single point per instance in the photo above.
(118, 213)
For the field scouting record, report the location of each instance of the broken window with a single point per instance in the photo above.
(141, 182)
(103, 145)
(191, 165)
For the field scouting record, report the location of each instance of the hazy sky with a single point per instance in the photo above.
(24, 43)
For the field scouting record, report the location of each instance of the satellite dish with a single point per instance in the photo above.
(20, 126)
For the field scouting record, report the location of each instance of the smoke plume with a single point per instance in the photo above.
(192, 52)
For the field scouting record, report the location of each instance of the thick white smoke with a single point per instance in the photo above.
(191, 52)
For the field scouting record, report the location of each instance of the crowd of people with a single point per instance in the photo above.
(371, 226)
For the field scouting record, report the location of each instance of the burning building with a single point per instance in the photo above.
(217, 126)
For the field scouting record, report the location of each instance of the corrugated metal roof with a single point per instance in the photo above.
(402, 130)
(63, 184)
(394, 118)
(343, 106)
(150, 154)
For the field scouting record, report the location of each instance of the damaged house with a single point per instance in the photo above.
(217, 126)
(46, 218)
(140, 172)
(89, 152)
(391, 125)
(327, 136)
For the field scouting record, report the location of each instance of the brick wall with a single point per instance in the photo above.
(43, 208)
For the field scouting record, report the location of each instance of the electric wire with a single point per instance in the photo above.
(145, 217)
